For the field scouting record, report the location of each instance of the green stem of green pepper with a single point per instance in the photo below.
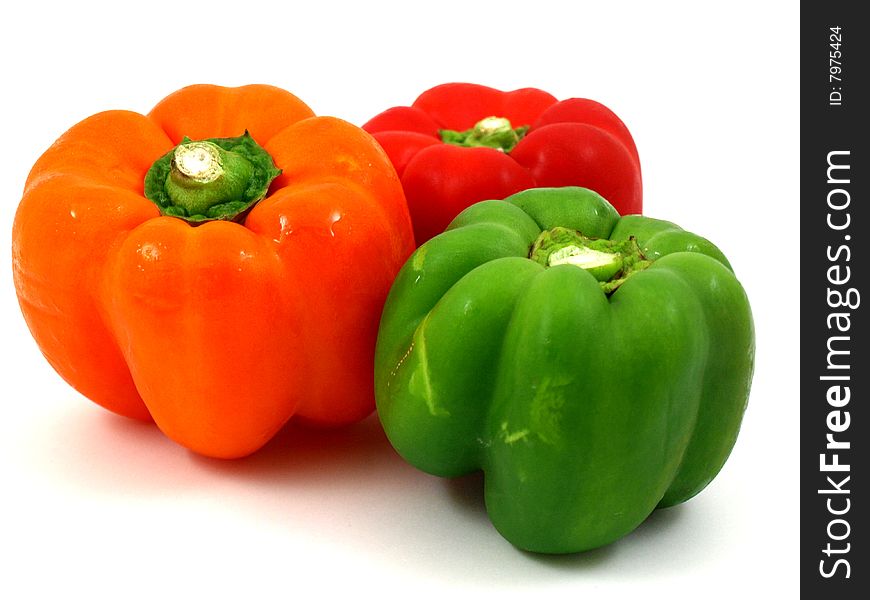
(491, 132)
(610, 262)
(215, 179)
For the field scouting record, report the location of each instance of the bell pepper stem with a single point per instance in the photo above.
(214, 179)
(601, 265)
(491, 132)
(204, 175)
(609, 262)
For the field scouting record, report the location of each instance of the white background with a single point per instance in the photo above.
(93, 503)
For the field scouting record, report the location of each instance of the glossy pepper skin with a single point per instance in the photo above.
(220, 332)
(585, 411)
(575, 142)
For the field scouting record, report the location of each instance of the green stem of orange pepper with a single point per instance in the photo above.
(214, 179)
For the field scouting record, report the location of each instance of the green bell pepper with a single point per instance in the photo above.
(594, 367)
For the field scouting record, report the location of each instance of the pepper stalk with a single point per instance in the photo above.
(213, 179)
(491, 132)
(609, 262)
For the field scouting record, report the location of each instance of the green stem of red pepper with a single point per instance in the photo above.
(610, 262)
(491, 132)
(214, 179)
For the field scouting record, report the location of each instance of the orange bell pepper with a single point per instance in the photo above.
(219, 330)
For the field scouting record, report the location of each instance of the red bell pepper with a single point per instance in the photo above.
(460, 143)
